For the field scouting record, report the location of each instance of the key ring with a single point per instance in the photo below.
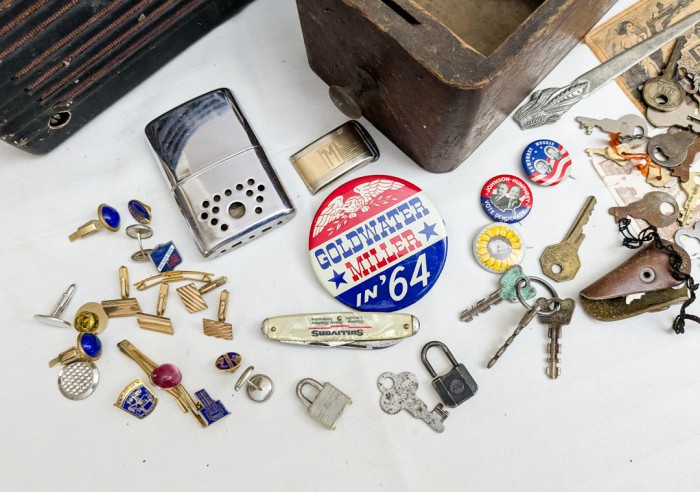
(524, 282)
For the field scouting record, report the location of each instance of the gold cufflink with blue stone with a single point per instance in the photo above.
(88, 348)
(107, 218)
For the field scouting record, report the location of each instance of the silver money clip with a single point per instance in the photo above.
(335, 154)
(221, 179)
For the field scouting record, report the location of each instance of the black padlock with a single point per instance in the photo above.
(455, 387)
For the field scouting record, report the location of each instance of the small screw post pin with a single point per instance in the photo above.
(54, 317)
(259, 386)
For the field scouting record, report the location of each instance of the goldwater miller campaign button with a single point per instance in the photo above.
(377, 243)
(506, 198)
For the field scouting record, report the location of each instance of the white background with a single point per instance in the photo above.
(623, 415)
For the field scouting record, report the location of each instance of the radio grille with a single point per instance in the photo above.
(62, 62)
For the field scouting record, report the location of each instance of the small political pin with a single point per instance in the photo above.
(546, 162)
(506, 198)
(497, 247)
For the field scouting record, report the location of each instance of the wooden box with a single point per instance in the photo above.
(438, 76)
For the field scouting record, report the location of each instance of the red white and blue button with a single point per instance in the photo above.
(377, 243)
(546, 162)
(506, 198)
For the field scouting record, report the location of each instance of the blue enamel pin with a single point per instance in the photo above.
(166, 257)
(211, 410)
(137, 399)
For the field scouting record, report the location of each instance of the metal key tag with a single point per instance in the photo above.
(455, 387)
(353, 330)
(328, 405)
(340, 151)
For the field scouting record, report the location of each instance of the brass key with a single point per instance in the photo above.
(664, 93)
(682, 172)
(555, 321)
(560, 261)
(692, 192)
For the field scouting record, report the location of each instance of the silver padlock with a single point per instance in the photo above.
(328, 405)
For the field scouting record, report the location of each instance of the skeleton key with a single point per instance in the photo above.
(401, 395)
(690, 67)
(555, 321)
(696, 95)
(508, 282)
(680, 233)
(611, 155)
(670, 149)
(690, 82)
(561, 261)
(664, 93)
(685, 115)
(541, 304)
(692, 191)
(682, 172)
(649, 209)
(627, 125)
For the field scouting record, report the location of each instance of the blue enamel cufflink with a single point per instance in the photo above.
(107, 218)
(140, 212)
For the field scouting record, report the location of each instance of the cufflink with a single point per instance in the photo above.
(140, 211)
(107, 218)
(88, 348)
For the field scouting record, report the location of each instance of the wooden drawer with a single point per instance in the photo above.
(438, 76)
